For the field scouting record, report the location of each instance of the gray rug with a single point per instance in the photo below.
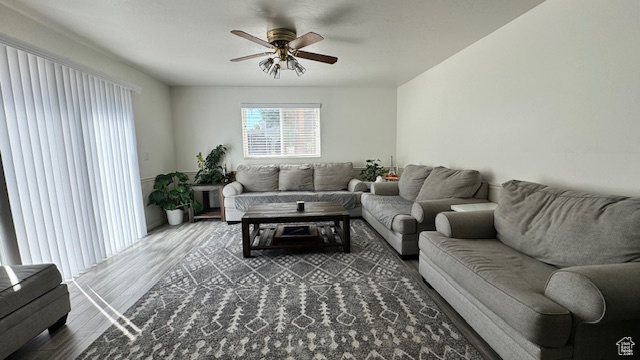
(326, 304)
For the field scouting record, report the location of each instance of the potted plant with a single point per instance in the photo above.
(210, 171)
(172, 193)
(371, 171)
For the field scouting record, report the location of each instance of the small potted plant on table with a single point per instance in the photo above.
(371, 171)
(172, 193)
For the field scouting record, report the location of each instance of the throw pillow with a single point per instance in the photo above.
(332, 176)
(258, 177)
(296, 177)
(445, 183)
(410, 183)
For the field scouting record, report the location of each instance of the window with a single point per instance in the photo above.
(281, 130)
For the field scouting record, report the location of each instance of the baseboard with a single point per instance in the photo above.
(156, 225)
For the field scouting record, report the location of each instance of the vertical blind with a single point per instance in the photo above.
(68, 146)
(281, 130)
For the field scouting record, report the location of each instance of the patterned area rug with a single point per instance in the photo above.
(316, 304)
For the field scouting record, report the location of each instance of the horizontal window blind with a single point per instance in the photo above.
(281, 130)
(68, 147)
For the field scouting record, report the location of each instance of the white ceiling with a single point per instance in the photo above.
(188, 42)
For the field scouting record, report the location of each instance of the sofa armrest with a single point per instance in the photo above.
(597, 293)
(385, 188)
(466, 225)
(425, 211)
(233, 188)
(356, 185)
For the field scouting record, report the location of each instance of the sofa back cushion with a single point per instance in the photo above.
(568, 228)
(295, 177)
(410, 183)
(445, 183)
(258, 177)
(332, 176)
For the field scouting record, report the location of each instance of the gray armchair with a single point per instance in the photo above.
(32, 299)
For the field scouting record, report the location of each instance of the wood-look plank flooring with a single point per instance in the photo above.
(100, 295)
(111, 287)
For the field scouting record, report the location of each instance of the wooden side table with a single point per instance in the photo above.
(207, 211)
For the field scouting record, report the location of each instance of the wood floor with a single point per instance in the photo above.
(103, 293)
(100, 295)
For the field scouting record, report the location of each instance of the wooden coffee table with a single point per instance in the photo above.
(261, 237)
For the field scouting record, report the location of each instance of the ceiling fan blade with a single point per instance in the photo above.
(256, 40)
(305, 40)
(252, 56)
(316, 57)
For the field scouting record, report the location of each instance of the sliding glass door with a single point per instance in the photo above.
(68, 148)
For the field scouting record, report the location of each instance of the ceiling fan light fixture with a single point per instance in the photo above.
(275, 71)
(291, 62)
(266, 64)
(299, 69)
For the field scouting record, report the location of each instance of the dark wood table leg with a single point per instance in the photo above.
(346, 234)
(205, 201)
(246, 241)
(223, 217)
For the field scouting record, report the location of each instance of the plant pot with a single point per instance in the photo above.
(175, 216)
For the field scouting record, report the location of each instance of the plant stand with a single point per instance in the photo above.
(208, 212)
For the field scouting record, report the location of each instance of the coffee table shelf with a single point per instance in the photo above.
(259, 225)
(329, 235)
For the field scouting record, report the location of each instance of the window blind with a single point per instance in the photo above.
(68, 146)
(281, 130)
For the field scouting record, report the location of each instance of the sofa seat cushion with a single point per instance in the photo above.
(550, 224)
(20, 285)
(244, 201)
(507, 282)
(347, 199)
(386, 208)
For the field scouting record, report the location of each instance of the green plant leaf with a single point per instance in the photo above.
(372, 170)
(211, 171)
(171, 191)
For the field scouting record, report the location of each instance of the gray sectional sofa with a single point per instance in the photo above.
(258, 184)
(550, 274)
(400, 210)
(32, 299)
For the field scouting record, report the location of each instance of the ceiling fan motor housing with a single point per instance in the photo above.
(280, 37)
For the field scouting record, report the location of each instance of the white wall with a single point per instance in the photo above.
(151, 108)
(355, 123)
(552, 97)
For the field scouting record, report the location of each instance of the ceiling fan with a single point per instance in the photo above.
(285, 46)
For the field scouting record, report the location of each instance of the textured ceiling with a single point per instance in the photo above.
(188, 42)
